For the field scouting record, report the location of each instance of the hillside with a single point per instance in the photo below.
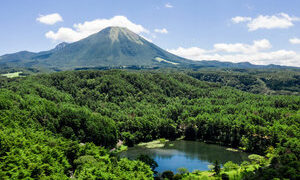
(259, 81)
(113, 47)
(58, 121)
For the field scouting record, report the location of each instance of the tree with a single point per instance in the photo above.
(175, 177)
(101, 130)
(98, 107)
(182, 171)
(257, 159)
(225, 176)
(167, 174)
(128, 138)
(228, 166)
(217, 167)
(148, 160)
(190, 132)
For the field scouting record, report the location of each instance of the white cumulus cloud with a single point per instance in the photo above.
(194, 53)
(168, 5)
(50, 19)
(281, 21)
(239, 52)
(294, 41)
(244, 48)
(239, 19)
(82, 30)
(162, 31)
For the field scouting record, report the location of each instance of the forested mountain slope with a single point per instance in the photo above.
(111, 47)
(116, 47)
(44, 118)
(259, 81)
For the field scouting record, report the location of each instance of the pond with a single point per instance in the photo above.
(189, 154)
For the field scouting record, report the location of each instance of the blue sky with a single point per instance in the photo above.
(258, 31)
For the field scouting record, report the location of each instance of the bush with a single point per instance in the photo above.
(148, 160)
(167, 174)
(190, 132)
(128, 138)
(228, 166)
(225, 176)
(177, 177)
(217, 167)
(182, 171)
(257, 159)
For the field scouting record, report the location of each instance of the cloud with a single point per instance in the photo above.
(162, 31)
(239, 19)
(66, 35)
(244, 48)
(237, 53)
(50, 19)
(294, 41)
(82, 30)
(168, 5)
(194, 53)
(280, 21)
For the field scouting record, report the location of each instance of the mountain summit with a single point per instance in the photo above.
(111, 47)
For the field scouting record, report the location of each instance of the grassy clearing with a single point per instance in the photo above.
(159, 59)
(232, 149)
(12, 75)
(154, 144)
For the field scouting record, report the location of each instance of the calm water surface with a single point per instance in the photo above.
(189, 154)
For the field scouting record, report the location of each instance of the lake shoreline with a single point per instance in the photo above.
(162, 141)
(193, 155)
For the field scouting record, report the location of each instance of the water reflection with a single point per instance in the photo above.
(189, 154)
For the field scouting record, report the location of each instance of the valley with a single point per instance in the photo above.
(62, 124)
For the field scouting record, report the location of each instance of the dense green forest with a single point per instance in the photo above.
(259, 81)
(61, 125)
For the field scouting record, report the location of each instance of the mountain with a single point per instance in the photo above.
(111, 47)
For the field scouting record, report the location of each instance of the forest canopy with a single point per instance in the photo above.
(62, 124)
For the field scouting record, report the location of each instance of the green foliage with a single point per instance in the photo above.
(225, 176)
(257, 159)
(27, 153)
(228, 166)
(217, 167)
(190, 132)
(263, 81)
(147, 160)
(123, 169)
(33, 154)
(177, 177)
(182, 171)
(50, 124)
(128, 138)
(167, 175)
(111, 47)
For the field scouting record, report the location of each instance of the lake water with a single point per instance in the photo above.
(189, 154)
